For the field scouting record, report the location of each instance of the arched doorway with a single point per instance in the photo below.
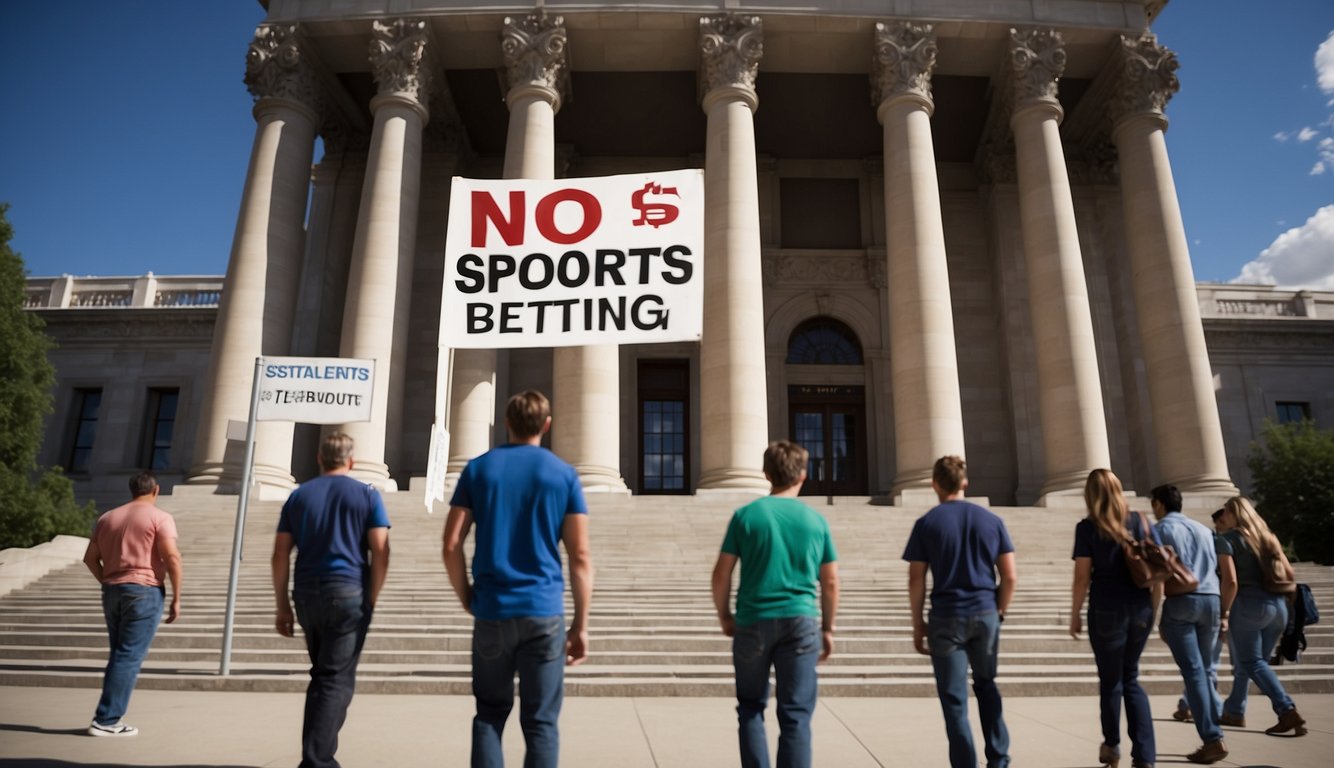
(828, 420)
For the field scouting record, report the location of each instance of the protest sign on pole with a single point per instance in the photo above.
(571, 262)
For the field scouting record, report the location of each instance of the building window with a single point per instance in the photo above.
(87, 403)
(824, 341)
(159, 426)
(1292, 412)
(664, 434)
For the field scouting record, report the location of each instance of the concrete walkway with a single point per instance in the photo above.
(45, 728)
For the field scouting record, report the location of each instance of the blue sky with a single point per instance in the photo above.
(127, 131)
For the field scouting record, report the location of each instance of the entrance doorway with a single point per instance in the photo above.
(664, 426)
(828, 422)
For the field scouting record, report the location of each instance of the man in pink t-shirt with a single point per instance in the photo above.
(132, 552)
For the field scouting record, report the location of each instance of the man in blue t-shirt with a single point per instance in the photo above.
(525, 502)
(340, 531)
(966, 547)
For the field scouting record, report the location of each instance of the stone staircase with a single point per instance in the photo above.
(653, 631)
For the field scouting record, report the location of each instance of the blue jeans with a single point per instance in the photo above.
(792, 647)
(1118, 634)
(1190, 627)
(534, 648)
(334, 617)
(1257, 622)
(1239, 679)
(133, 612)
(958, 642)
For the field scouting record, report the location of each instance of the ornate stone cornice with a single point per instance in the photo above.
(903, 59)
(400, 58)
(278, 67)
(1146, 79)
(732, 46)
(1037, 61)
(534, 51)
(807, 269)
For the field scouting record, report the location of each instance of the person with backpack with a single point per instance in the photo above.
(1257, 616)
(1120, 615)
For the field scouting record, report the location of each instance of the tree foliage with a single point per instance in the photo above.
(1292, 469)
(35, 503)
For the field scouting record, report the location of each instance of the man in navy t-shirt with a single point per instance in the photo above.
(340, 531)
(525, 502)
(965, 546)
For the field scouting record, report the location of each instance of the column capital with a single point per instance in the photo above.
(903, 60)
(1145, 79)
(1037, 61)
(731, 48)
(533, 49)
(400, 58)
(278, 68)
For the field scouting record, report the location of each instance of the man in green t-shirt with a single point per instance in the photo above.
(785, 548)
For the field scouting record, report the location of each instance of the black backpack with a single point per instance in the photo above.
(1301, 613)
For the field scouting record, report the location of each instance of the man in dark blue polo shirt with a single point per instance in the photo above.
(340, 530)
(965, 546)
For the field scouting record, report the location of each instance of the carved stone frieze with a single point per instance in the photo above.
(1095, 163)
(1037, 61)
(534, 51)
(732, 46)
(1146, 78)
(277, 67)
(400, 58)
(903, 60)
(812, 268)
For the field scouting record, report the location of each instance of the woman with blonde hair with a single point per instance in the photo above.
(1120, 615)
(1256, 618)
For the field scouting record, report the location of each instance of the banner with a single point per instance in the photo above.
(315, 390)
(572, 262)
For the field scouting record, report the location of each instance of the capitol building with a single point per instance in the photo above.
(931, 227)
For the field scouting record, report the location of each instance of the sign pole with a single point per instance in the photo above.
(247, 476)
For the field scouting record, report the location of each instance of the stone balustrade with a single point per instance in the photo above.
(1229, 301)
(146, 291)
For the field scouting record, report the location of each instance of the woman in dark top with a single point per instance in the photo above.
(1120, 615)
(1256, 618)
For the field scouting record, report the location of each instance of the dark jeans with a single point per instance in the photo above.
(1118, 634)
(958, 642)
(792, 647)
(133, 612)
(1258, 621)
(334, 617)
(534, 648)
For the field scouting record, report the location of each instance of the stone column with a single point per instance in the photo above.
(1181, 395)
(1074, 428)
(386, 227)
(928, 417)
(733, 402)
(260, 290)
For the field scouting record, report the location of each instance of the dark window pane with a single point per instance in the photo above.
(824, 341)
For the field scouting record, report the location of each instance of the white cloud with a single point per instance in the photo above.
(1318, 168)
(1302, 257)
(1324, 65)
(1306, 134)
(1282, 135)
(1326, 151)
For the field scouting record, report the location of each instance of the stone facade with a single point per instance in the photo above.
(921, 238)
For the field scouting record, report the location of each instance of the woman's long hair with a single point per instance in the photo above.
(1252, 527)
(1106, 502)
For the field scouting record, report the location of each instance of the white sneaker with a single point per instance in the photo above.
(118, 728)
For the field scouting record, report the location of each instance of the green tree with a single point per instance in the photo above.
(1292, 469)
(35, 503)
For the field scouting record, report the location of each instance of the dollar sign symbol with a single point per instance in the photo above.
(654, 214)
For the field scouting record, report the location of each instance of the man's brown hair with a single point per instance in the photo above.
(949, 473)
(335, 451)
(526, 413)
(142, 484)
(784, 461)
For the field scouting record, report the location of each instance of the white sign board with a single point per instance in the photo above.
(315, 390)
(572, 262)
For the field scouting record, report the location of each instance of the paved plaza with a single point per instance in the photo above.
(45, 728)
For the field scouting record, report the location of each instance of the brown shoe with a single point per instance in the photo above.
(1109, 757)
(1288, 721)
(1236, 721)
(1182, 714)
(1211, 752)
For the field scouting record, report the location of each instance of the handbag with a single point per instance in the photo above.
(1151, 564)
(1276, 574)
